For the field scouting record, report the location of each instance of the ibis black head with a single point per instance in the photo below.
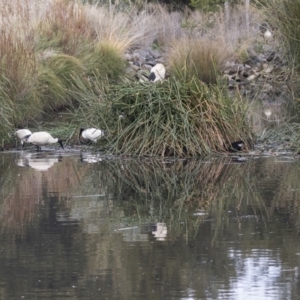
(80, 131)
(27, 136)
(61, 144)
(152, 76)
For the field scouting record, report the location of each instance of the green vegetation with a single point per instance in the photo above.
(68, 57)
(180, 118)
(49, 54)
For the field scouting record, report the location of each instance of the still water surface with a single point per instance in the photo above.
(82, 226)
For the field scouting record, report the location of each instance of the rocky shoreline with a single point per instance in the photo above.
(262, 75)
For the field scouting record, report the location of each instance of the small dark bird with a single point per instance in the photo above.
(238, 145)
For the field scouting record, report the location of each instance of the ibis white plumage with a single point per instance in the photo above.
(42, 138)
(91, 134)
(157, 73)
(21, 134)
(268, 35)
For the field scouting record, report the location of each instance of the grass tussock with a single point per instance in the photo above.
(197, 58)
(105, 59)
(208, 41)
(170, 119)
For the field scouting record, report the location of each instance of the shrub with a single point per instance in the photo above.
(169, 119)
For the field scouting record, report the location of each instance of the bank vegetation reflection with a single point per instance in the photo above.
(181, 194)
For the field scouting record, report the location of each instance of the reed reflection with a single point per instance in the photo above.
(206, 210)
(129, 225)
(220, 189)
(183, 186)
(182, 194)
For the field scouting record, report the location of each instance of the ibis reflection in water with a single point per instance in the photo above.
(90, 158)
(39, 162)
(159, 230)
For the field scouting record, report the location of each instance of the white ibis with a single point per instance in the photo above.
(91, 134)
(157, 73)
(267, 34)
(21, 134)
(42, 138)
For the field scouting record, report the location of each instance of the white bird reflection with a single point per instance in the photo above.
(90, 158)
(37, 161)
(159, 230)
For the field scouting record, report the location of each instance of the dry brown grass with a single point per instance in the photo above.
(202, 58)
(37, 35)
(209, 40)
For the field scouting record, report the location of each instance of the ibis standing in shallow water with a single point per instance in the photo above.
(21, 134)
(91, 134)
(42, 138)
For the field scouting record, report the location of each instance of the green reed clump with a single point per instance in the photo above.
(6, 111)
(105, 60)
(171, 118)
(53, 80)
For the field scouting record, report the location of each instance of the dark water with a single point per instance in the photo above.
(84, 227)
